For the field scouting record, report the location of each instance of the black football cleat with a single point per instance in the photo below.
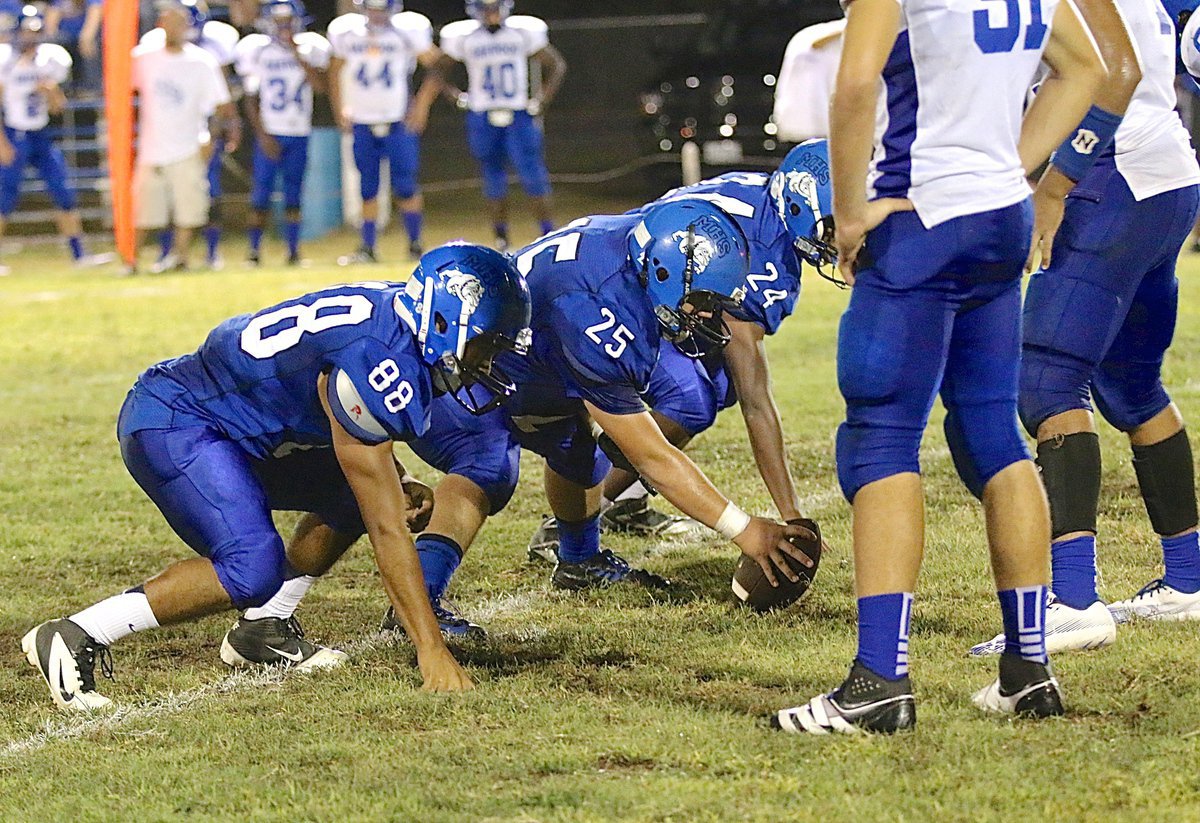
(274, 641)
(1024, 688)
(865, 702)
(634, 516)
(452, 624)
(602, 570)
(66, 656)
(359, 257)
(543, 546)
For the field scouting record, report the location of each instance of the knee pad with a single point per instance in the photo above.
(1051, 383)
(1166, 478)
(497, 479)
(1070, 468)
(867, 453)
(495, 178)
(252, 570)
(984, 440)
(1129, 394)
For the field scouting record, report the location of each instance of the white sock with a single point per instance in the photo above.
(284, 602)
(110, 620)
(634, 492)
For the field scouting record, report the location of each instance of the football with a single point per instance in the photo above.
(752, 588)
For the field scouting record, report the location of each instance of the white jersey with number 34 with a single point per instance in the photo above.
(274, 72)
(951, 104)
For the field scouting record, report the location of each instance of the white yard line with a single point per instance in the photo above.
(65, 727)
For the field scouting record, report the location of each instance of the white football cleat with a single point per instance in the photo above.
(1038, 698)
(1067, 630)
(65, 655)
(92, 261)
(1157, 601)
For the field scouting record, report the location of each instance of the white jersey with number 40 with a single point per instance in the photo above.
(379, 63)
(951, 104)
(271, 70)
(497, 61)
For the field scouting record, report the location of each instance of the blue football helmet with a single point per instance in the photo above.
(381, 6)
(30, 27)
(466, 304)
(803, 195)
(479, 9)
(692, 259)
(282, 18)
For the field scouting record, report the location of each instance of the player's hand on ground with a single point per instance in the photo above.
(270, 146)
(441, 671)
(766, 543)
(851, 233)
(418, 497)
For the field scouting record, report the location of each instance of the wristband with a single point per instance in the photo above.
(732, 522)
(1081, 148)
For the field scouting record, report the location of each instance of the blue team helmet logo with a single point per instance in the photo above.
(466, 304)
(692, 259)
(802, 192)
(480, 9)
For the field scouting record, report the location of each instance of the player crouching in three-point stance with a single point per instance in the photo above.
(1100, 315)
(936, 308)
(296, 407)
(607, 291)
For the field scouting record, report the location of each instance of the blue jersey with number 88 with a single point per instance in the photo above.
(255, 378)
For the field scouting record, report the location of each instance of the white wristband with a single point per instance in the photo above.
(732, 522)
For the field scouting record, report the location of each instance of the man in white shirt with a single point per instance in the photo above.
(180, 87)
(280, 66)
(31, 71)
(375, 52)
(502, 115)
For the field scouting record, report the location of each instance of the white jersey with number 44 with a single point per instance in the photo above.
(497, 61)
(951, 104)
(275, 73)
(379, 63)
(20, 75)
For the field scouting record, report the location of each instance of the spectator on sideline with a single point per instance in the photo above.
(75, 25)
(180, 87)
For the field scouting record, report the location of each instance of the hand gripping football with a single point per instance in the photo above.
(752, 588)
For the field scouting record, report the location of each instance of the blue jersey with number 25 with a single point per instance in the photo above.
(595, 336)
(255, 377)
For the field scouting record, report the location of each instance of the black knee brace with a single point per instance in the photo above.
(1167, 480)
(1070, 469)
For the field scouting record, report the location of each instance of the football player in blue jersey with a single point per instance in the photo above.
(785, 217)
(607, 292)
(296, 407)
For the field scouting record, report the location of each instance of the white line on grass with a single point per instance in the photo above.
(70, 728)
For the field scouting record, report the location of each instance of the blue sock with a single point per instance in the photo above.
(1181, 555)
(546, 226)
(1073, 569)
(578, 541)
(254, 233)
(212, 236)
(412, 225)
(883, 621)
(76, 244)
(291, 233)
(368, 234)
(439, 558)
(1024, 613)
(166, 242)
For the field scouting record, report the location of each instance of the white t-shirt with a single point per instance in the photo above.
(24, 105)
(1153, 150)
(217, 38)
(951, 103)
(270, 69)
(497, 62)
(178, 92)
(379, 63)
(806, 82)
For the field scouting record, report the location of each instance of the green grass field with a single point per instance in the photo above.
(610, 706)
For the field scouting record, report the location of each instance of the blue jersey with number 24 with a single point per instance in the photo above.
(255, 378)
